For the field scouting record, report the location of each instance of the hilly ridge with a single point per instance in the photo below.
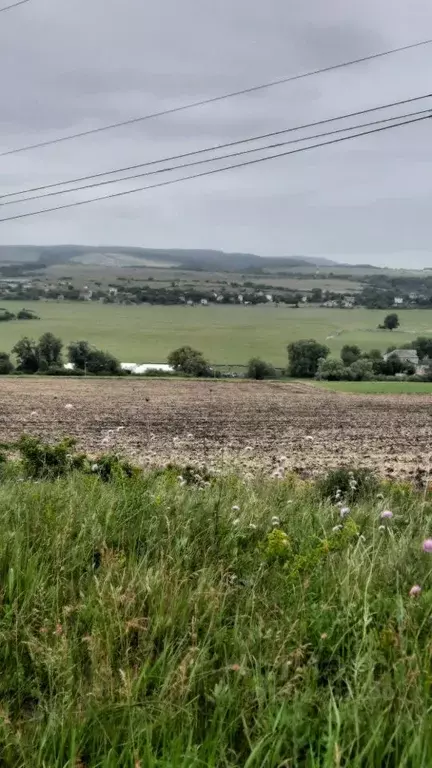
(122, 256)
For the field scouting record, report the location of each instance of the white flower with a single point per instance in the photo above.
(275, 521)
(345, 511)
(95, 467)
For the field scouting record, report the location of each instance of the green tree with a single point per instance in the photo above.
(6, 365)
(87, 358)
(189, 361)
(331, 369)
(49, 351)
(423, 347)
(79, 353)
(27, 355)
(391, 321)
(361, 370)
(259, 369)
(304, 357)
(350, 353)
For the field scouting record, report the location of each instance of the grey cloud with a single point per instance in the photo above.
(71, 66)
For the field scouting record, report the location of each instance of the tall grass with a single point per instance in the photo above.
(147, 623)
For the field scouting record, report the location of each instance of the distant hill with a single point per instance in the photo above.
(120, 256)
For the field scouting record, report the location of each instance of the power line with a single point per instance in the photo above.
(15, 5)
(218, 147)
(210, 172)
(214, 99)
(215, 159)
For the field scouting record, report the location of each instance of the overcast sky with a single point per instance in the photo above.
(69, 65)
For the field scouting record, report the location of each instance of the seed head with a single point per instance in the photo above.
(415, 590)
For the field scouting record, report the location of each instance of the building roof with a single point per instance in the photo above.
(404, 354)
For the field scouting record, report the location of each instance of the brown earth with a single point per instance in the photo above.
(245, 425)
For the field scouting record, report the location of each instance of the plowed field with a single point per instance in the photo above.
(225, 424)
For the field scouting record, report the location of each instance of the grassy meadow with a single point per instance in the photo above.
(226, 335)
(157, 622)
(378, 387)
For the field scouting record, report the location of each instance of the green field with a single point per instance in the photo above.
(378, 387)
(227, 335)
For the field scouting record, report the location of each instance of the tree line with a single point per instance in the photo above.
(46, 356)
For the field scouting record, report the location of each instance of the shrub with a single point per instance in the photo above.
(6, 365)
(41, 460)
(258, 369)
(348, 484)
(361, 370)
(331, 369)
(110, 466)
(27, 314)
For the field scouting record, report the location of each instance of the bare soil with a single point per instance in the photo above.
(242, 425)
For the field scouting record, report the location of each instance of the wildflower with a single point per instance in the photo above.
(415, 590)
(275, 521)
(235, 508)
(344, 511)
(386, 515)
(95, 467)
(58, 630)
(235, 667)
(324, 636)
(427, 545)
(336, 528)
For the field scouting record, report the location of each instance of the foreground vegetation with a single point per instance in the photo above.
(183, 619)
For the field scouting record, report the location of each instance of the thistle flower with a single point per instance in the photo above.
(427, 545)
(415, 590)
(386, 515)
